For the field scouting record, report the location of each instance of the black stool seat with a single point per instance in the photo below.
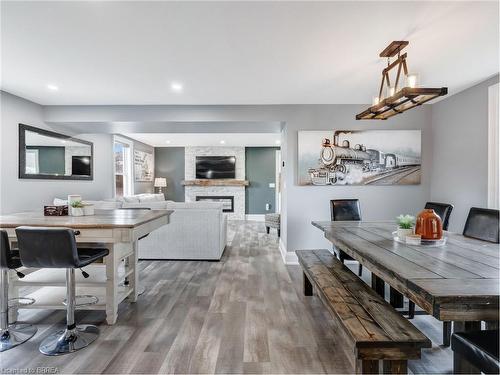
(87, 256)
(57, 248)
(480, 348)
(11, 335)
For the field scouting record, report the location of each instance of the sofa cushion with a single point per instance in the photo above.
(151, 198)
(131, 199)
(152, 205)
(105, 205)
(194, 205)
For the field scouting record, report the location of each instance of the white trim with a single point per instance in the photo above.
(127, 163)
(493, 147)
(289, 258)
(255, 217)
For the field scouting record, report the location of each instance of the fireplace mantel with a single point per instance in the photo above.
(215, 182)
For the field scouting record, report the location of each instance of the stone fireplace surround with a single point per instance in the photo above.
(238, 192)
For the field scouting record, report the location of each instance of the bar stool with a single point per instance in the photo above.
(41, 247)
(14, 334)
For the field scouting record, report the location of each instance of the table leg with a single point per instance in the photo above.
(378, 285)
(395, 367)
(134, 277)
(396, 298)
(491, 324)
(460, 364)
(446, 333)
(367, 367)
(111, 285)
(308, 288)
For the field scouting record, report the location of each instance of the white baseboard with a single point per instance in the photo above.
(289, 258)
(255, 217)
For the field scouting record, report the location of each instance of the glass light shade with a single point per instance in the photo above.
(375, 100)
(160, 182)
(412, 80)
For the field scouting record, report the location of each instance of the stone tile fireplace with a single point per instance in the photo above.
(196, 190)
(226, 200)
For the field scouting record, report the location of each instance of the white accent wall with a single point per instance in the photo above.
(238, 192)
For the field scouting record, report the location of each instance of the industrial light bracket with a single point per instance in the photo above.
(408, 97)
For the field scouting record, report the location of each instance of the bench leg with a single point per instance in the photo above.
(367, 367)
(378, 285)
(308, 288)
(395, 367)
(396, 298)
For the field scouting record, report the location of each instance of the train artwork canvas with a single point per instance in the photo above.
(359, 157)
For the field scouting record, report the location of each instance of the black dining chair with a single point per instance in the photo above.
(346, 210)
(476, 351)
(41, 247)
(11, 335)
(443, 210)
(482, 224)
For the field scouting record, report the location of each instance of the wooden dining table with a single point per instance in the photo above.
(457, 282)
(112, 281)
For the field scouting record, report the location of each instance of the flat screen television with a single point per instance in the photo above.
(214, 167)
(80, 165)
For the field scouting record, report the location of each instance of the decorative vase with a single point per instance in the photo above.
(402, 233)
(429, 225)
(88, 209)
(76, 211)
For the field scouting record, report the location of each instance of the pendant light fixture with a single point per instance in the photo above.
(392, 100)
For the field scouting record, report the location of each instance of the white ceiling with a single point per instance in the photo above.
(207, 139)
(101, 52)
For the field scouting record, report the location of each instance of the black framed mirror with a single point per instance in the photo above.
(44, 154)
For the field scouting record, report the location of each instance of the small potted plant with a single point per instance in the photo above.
(76, 208)
(405, 226)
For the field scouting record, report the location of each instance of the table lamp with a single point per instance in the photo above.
(160, 182)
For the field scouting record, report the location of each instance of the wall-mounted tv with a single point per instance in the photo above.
(80, 166)
(213, 167)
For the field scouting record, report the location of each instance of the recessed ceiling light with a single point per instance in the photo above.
(176, 86)
(52, 87)
(222, 142)
(278, 142)
(167, 142)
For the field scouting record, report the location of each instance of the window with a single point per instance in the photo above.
(32, 161)
(493, 147)
(123, 168)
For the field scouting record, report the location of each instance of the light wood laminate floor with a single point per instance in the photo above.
(244, 314)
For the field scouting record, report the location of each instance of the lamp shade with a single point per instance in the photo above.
(160, 182)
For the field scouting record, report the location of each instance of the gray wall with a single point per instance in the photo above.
(20, 195)
(300, 204)
(260, 169)
(169, 163)
(460, 143)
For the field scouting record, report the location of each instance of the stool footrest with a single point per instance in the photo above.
(21, 301)
(83, 300)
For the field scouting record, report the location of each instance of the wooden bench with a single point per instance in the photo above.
(370, 328)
